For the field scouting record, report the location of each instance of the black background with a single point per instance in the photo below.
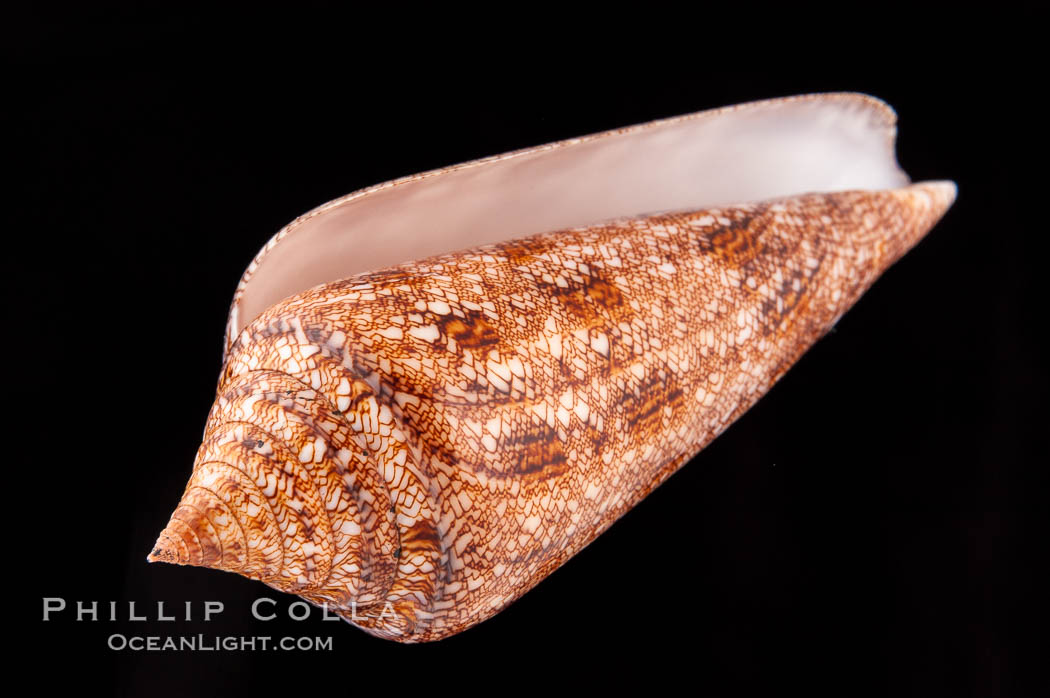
(867, 527)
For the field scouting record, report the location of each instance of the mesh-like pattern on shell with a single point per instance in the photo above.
(510, 402)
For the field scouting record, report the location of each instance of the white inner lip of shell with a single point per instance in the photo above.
(762, 150)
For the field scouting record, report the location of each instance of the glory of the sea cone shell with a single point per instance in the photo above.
(416, 444)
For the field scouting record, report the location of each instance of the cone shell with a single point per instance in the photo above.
(417, 447)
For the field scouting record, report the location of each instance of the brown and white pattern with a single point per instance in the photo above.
(417, 447)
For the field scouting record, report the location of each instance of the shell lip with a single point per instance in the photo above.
(445, 209)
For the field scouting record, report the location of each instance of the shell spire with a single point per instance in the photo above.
(276, 496)
(416, 447)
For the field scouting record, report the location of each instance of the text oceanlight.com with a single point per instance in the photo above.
(216, 643)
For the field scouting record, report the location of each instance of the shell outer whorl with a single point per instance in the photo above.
(507, 404)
